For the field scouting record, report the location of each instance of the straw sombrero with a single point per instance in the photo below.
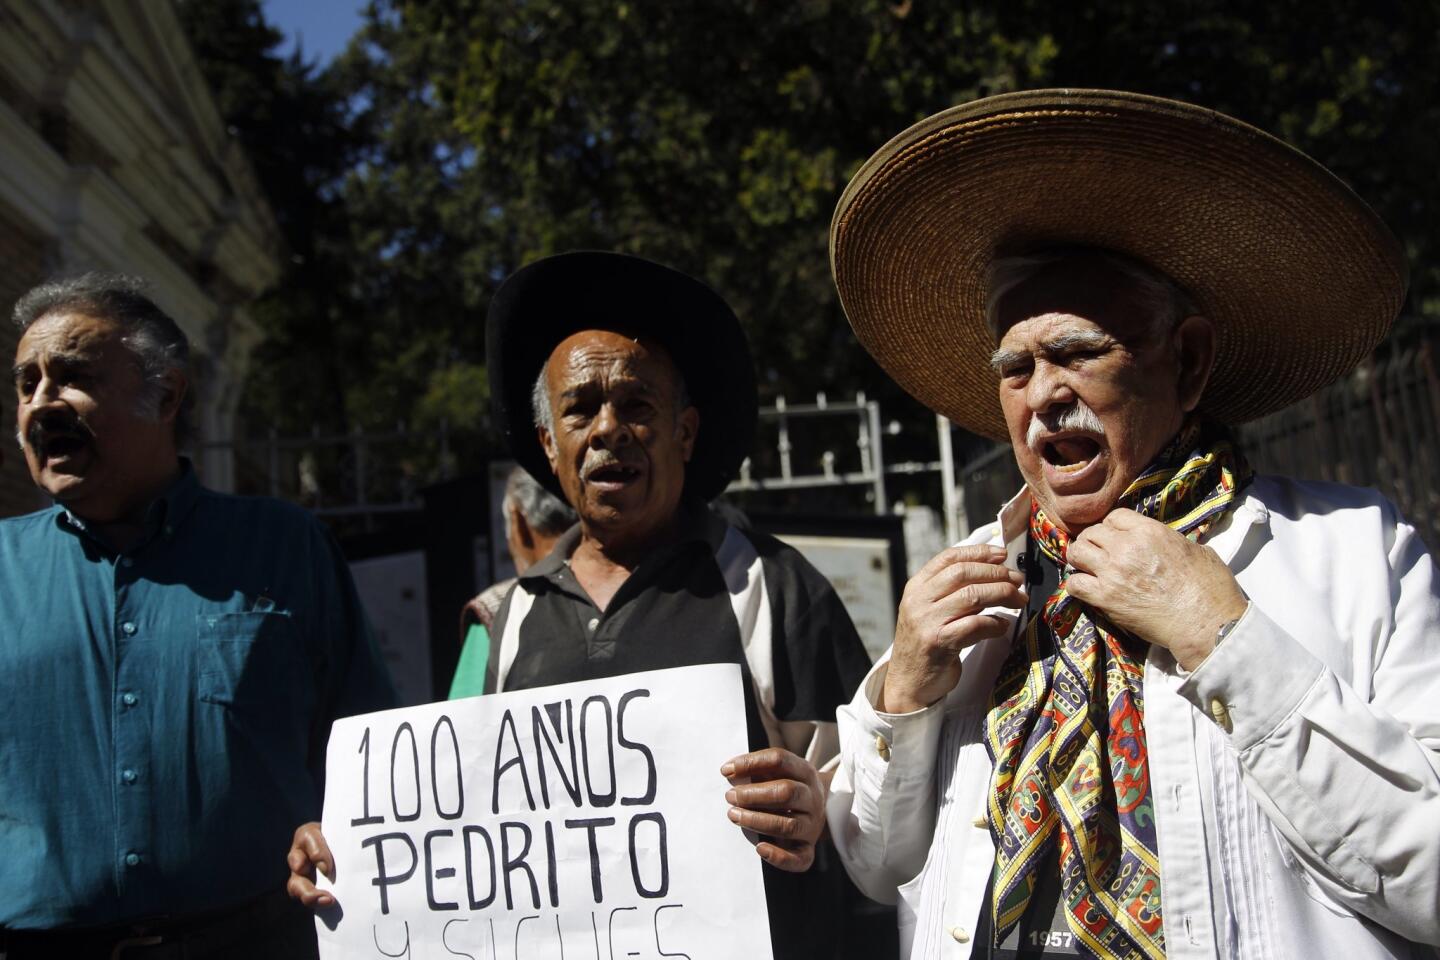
(542, 303)
(1301, 278)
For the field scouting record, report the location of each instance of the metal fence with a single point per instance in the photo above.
(365, 474)
(1377, 427)
(359, 474)
(831, 443)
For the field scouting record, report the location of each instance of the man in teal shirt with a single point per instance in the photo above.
(173, 658)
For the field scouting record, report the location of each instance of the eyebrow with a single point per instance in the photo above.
(64, 356)
(1001, 359)
(1065, 343)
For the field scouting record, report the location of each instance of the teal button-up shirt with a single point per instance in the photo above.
(165, 710)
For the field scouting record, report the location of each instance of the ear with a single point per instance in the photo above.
(1194, 343)
(687, 425)
(523, 534)
(547, 443)
(176, 386)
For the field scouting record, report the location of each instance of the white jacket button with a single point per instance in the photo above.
(882, 747)
(960, 934)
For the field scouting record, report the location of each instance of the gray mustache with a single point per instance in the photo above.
(1077, 416)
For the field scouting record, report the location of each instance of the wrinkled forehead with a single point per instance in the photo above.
(67, 334)
(610, 357)
(1079, 287)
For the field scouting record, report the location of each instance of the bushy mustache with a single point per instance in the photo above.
(1076, 416)
(42, 428)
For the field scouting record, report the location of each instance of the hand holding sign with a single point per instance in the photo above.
(777, 794)
(308, 851)
(578, 818)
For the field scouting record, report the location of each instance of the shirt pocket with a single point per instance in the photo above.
(250, 657)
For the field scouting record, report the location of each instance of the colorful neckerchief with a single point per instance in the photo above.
(1066, 730)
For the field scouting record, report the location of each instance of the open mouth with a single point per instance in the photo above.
(1070, 454)
(612, 473)
(58, 444)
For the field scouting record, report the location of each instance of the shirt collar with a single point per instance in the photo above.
(1014, 523)
(1014, 516)
(695, 524)
(1231, 531)
(166, 512)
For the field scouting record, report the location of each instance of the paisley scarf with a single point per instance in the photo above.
(1066, 729)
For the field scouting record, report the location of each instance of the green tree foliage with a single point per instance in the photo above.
(713, 135)
(376, 320)
(297, 130)
(458, 139)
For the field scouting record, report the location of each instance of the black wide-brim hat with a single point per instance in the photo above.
(542, 303)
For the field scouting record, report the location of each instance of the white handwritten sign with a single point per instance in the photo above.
(584, 820)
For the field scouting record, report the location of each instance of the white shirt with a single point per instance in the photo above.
(1296, 772)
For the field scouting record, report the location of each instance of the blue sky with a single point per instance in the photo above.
(322, 27)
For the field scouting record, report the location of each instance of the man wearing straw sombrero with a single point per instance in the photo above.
(1163, 707)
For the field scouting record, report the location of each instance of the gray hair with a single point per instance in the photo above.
(156, 341)
(1159, 297)
(544, 417)
(546, 513)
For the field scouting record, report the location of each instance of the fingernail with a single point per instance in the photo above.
(733, 814)
(727, 769)
(730, 796)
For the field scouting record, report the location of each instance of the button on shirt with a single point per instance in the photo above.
(163, 727)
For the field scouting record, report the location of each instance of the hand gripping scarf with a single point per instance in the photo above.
(1066, 731)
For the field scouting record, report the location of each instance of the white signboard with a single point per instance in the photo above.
(584, 820)
(859, 570)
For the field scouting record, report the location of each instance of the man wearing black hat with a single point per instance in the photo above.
(628, 388)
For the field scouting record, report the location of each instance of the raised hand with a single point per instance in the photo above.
(1149, 580)
(940, 615)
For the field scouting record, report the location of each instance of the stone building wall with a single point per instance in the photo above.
(23, 251)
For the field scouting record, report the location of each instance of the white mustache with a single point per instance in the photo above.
(1077, 416)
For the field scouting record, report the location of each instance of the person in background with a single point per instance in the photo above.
(173, 658)
(534, 519)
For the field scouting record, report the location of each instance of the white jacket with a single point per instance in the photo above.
(1296, 771)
